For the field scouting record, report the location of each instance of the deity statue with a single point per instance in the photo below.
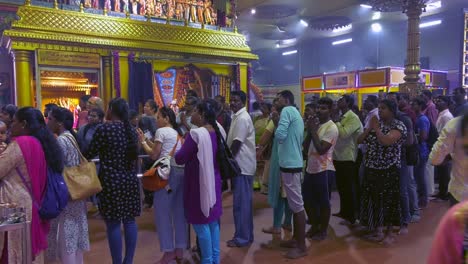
(193, 11)
(207, 12)
(150, 7)
(134, 6)
(170, 8)
(158, 9)
(126, 8)
(87, 3)
(107, 5)
(200, 7)
(179, 10)
(117, 5)
(142, 7)
(187, 10)
(95, 4)
(214, 16)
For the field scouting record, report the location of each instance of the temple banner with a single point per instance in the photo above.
(68, 59)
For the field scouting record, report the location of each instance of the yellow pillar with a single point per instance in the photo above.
(243, 78)
(107, 80)
(124, 76)
(24, 87)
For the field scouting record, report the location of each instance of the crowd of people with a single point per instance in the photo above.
(384, 162)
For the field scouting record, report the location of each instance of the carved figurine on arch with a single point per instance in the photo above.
(107, 5)
(87, 3)
(125, 7)
(142, 7)
(200, 8)
(117, 5)
(179, 10)
(170, 8)
(158, 9)
(95, 4)
(193, 10)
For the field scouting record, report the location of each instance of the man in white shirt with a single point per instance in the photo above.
(371, 105)
(453, 141)
(320, 170)
(442, 171)
(241, 140)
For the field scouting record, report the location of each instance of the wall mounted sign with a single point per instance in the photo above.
(68, 59)
(373, 78)
(340, 80)
(312, 83)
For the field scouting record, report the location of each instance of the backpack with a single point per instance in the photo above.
(432, 136)
(55, 198)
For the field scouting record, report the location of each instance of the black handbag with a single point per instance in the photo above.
(227, 164)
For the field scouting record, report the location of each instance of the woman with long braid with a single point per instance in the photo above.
(202, 181)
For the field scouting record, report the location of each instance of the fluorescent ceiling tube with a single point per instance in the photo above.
(304, 23)
(430, 23)
(366, 6)
(338, 42)
(376, 27)
(289, 52)
(433, 5)
(348, 27)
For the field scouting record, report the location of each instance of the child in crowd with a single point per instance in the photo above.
(3, 136)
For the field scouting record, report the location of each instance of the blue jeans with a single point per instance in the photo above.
(282, 209)
(169, 213)
(242, 209)
(421, 181)
(208, 241)
(114, 236)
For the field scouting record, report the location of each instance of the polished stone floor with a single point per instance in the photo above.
(340, 247)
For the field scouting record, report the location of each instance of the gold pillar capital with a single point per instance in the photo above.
(22, 55)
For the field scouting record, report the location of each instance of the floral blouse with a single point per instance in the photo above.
(382, 157)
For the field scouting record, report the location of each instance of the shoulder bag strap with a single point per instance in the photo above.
(29, 188)
(75, 144)
(175, 147)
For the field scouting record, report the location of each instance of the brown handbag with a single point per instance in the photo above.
(82, 180)
(151, 179)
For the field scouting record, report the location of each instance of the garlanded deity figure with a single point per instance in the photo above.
(214, 16)
(200, 7)
(150, 5)
(179, 10)
(96, 4)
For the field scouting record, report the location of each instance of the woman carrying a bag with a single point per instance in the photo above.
(68, 236)
(202, 181)
(168, 205)
(33, 149)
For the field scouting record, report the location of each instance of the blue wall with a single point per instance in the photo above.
(441, 44)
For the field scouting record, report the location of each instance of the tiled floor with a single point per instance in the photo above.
(340, 247)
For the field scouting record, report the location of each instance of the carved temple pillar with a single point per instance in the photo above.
(23, 72)
(412, 85)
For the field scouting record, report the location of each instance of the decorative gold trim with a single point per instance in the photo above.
(75, 28)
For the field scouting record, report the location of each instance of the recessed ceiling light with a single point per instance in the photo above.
(289, 52)
(366, 6)
(338, 42)
(376, 16)
(430, 23)
(277, 45)
(253, 11)
(376, 27)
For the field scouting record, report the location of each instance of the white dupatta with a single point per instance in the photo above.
(201, 136)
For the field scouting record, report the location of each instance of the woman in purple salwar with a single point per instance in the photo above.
(202, 181)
